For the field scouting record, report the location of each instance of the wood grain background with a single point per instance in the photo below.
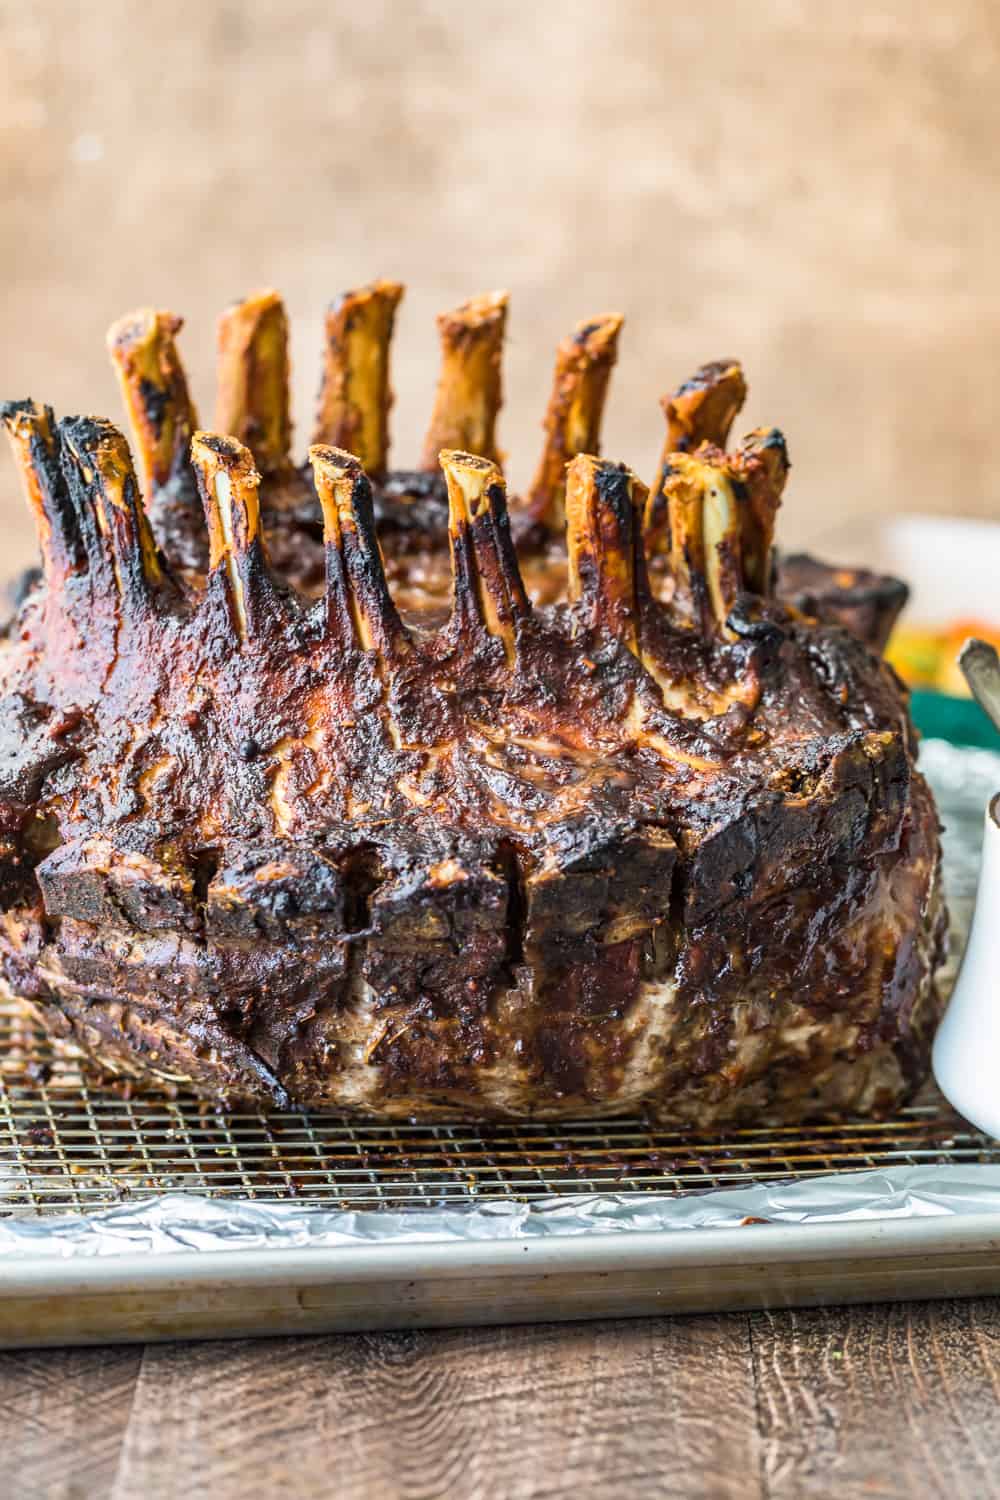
(812, 187)
(897, 1402)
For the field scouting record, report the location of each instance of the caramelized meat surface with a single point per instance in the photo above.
(361, 789)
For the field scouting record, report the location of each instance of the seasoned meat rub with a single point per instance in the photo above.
(353, 788)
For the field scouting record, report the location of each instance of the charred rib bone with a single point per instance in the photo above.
(121, 555)
(155, 391)
(584, 362)
(489, 595)
(34, 440)
(705, 534)
(252, 396)
(761, 465)
(228, 483)
(355, 396)
(469, 393)
(359, 606)
(702, 410)
(607, 565)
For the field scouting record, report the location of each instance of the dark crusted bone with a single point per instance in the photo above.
(355, 396)
(33, 438)
(607, 561)
(469, 394)
(228, 483)
(761, 465)
(252, 397)
(702, 410)
(358, 603)
(488, 592)
(118, 544)
(584, 362)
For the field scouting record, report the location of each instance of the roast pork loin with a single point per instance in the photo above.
(355, 788)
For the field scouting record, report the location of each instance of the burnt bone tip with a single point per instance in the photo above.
(335, 458)
(217, 443)
(456, 458)
(88, 432)
(775, 441)
(23, 408)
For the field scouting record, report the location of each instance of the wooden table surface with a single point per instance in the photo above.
(893, 1400)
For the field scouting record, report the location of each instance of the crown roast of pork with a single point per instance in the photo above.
(356, 788)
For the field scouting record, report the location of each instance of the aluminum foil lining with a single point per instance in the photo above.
(963, 780)
(179, 1222)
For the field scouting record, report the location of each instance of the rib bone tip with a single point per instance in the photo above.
(142, 326)
(355, 393)
(469, 392)
(104, 494)
(489, 593)
(358, 603)
(607, 576)
(253, 377)
(334, 460)
(155, 392)
(572, 423)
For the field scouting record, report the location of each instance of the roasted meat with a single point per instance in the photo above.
(866, 603)
(356, 788)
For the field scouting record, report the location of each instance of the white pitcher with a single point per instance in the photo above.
(967, 1047)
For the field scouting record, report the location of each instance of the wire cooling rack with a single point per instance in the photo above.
(68, 1141)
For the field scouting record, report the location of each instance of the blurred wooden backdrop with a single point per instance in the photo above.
(812, 187)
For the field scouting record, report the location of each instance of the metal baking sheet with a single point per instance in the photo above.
(129, 1214)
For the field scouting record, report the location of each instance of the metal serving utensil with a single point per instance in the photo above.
(980, 666)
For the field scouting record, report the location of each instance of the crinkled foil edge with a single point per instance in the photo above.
(180, 1222)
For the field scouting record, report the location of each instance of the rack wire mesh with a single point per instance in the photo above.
(69, 1141)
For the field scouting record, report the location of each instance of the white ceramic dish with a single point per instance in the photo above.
(967, 1048)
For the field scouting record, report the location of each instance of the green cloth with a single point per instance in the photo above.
(959, 720)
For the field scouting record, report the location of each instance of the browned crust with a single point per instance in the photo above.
(487, 857)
